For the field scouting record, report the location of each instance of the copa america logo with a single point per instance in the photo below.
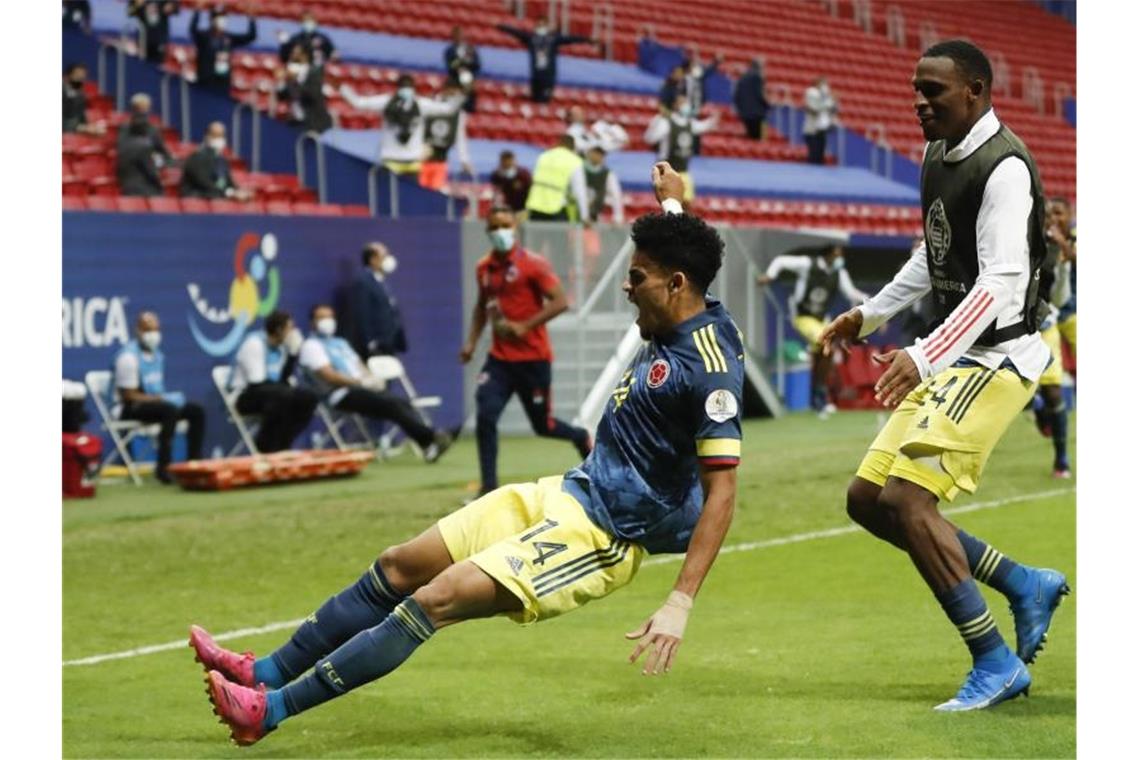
(937, 232)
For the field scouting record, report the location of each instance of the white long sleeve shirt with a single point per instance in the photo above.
(657, 133)
(614, 198)
(1003, 276)
(390, 147)
(801, 267)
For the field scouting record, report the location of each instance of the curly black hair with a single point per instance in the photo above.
(681, 241)
(967, 57)
(277, 319)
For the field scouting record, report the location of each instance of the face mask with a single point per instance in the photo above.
(837, 264)
(697, 71)
(309, 26)
(219, 22)
(326, 326)
(388, 264)
(406, 93)
(509, 173)
(540, 30)
(297, 69)
(150, 339)
(502, 240)
(216, 144)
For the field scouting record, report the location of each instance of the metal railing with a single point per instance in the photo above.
(254, 130)
(559, 15)
(603, 28)
(862, 15)
(896, 26)
(1061, 90)
(393, 194)
(882, 157)
(299, 156)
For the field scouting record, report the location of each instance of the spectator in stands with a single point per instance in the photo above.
(262, 368)
(75, 102)
(542, 44)
(140, 114)
(748, 97)
(77, 15)
(215, 48)
(140, 384)
(820, 109)
(206, 172)
(697, 75)
(674, 134)
(137, 163)
(577, 128)
(337, 374)
(462, 62)
(607, 135)
(402, 135)
(556, 180)
(301, 84)
(316, 44)
(602, 186)
(154, 19)
(674, 85)
(511, 183)
(441, 133)
(377, 328)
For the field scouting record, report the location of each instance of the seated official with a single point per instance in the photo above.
(261, 370)
(139, 384)
(335, 371)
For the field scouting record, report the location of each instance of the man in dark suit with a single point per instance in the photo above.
(206, 172)
(751, 104)
(542, 44)
(154, 18)
(215, 48)
(462, 62)
(136, 166)
(377, 327)
(301, 84)
(140, 113)
(317, 44)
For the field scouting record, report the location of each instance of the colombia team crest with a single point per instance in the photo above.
(658, 373)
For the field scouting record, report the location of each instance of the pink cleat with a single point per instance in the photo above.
(239, 707)
(235, 667)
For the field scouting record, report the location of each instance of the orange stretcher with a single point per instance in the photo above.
(284, 466)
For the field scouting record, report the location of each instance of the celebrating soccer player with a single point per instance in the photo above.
(956, 390)
(661, 478)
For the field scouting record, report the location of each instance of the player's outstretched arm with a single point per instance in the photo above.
(841, 330)
(661, 634)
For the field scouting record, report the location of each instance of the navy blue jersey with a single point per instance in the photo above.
(677, 404)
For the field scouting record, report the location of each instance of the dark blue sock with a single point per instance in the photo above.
(1061, 437)
(993, 568)
(967, 610)
(365, 657)
(360, 606)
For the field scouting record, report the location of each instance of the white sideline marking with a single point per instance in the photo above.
(745, 547)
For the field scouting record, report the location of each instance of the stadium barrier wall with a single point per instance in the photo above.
(346, 175)
(202, 274)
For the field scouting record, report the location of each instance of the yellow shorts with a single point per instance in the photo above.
(690, 189)
(403, 167)
(1068, 328)
(1053, 374)
(810, 328)
(942, 433)
(538, 543)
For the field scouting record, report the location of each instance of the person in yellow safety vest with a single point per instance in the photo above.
(555, 180)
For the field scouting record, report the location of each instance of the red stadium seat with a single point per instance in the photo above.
(131, 204)
(279, 208)
(195, 206)
(102, 203)
(164, 205)
(74, 203)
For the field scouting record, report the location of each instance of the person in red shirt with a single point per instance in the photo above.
(518, 294)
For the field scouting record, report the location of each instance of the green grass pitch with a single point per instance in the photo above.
(826, 646)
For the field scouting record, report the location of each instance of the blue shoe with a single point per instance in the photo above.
(984, 688)
(1033, 612)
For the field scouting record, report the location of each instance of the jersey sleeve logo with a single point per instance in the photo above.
(658, 373)
(720, 405)
(709, 349)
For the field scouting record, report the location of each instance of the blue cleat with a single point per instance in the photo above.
(984, 688)
(1033, 612)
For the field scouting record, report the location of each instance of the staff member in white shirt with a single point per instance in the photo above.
(957, 390)
(262, 368)
(820, 110)
(402, 135)
(335, 371)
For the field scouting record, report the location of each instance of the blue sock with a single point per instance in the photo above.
(1061, 437)
(993, 568)
(360, 606)
(967, 610)
(365, 657)
(275, 711)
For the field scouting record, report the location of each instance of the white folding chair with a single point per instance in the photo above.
(340, 423)
(246, 424)
(390, 369)
(122, 432)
